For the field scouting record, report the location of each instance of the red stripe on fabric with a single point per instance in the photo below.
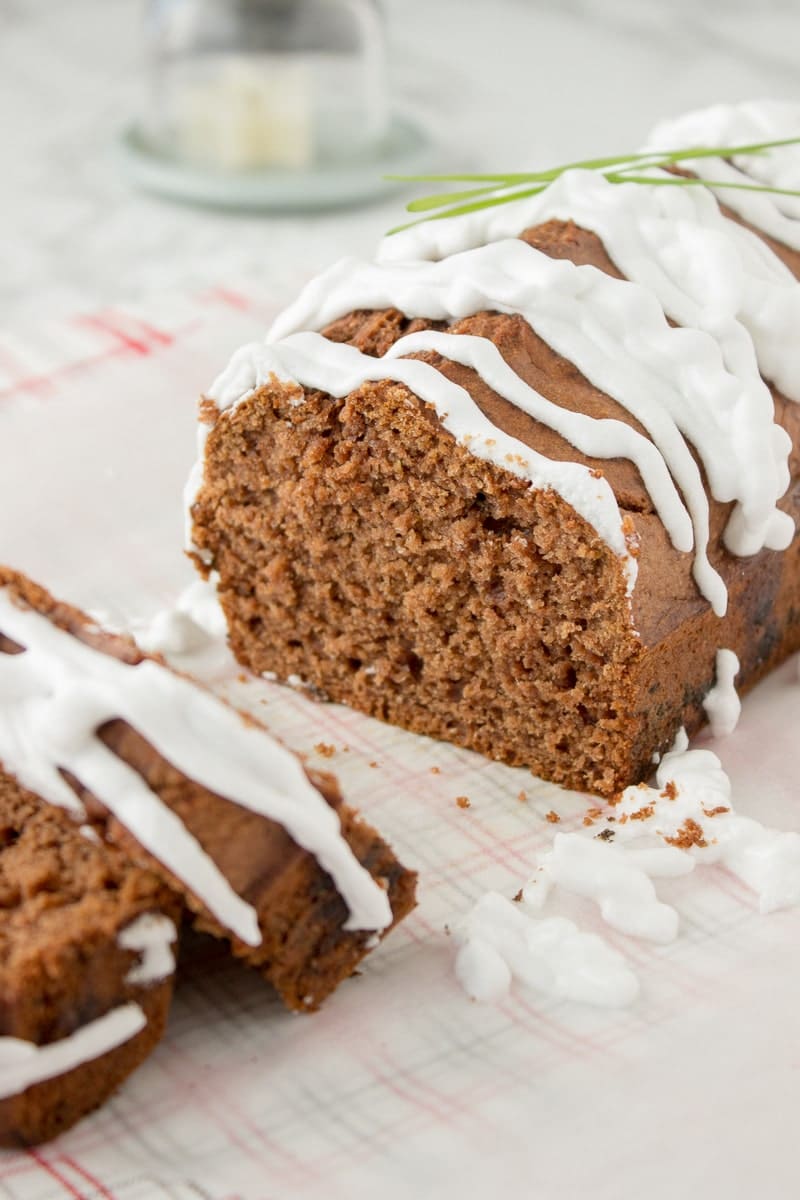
(50, 1170)
(176, 1064)
(9, 362)
(99, 1187)
(490, 847)
(41, 383)
(108, 326)
(46, 383)
(157, 336)
(231, 298)
(435, 1106)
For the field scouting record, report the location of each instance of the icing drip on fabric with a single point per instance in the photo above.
(653, 833)
(501, 941)
(743, 124)
(58, 692)
(190, 625)
(23, 1064)
(673, 381)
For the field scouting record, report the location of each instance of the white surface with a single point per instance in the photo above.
(501, 84)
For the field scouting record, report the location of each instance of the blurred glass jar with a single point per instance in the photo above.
(243, 84)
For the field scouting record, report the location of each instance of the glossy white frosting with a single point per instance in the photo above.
(707, 272)
(54, 697)
(195, 620)
(23, 1064)
(737, 125)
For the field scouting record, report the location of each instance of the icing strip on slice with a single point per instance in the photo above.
(23, 1064)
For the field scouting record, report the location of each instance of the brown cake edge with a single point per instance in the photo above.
(47, 1109)
(66, 900)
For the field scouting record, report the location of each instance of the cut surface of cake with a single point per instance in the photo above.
(515, 484)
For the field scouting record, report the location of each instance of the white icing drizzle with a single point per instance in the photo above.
(55, 695)
(722, 704)
(620, 881)
(152, 936)
(691, 787)
(614, 862)
(501, 941)
(23, 1063)
(743, 124)
(707, 272)
(314, 362)
(674, 381)
(190, 625)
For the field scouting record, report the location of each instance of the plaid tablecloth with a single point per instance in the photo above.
(401, 1086)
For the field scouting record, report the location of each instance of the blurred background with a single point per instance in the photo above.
(100, 96)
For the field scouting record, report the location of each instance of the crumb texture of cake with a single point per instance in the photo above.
(261, 852)
(515, 484)
(86, 967)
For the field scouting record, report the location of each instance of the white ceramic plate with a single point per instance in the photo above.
(406, 150)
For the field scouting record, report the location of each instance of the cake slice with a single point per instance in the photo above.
(260, 851)
(517, 483)
(86, 967)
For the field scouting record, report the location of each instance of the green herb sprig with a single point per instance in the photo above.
(622, 168)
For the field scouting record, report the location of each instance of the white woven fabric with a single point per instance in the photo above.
(400, 1086)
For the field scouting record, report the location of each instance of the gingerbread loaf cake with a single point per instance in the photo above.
(142, 784)
(516, 483)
